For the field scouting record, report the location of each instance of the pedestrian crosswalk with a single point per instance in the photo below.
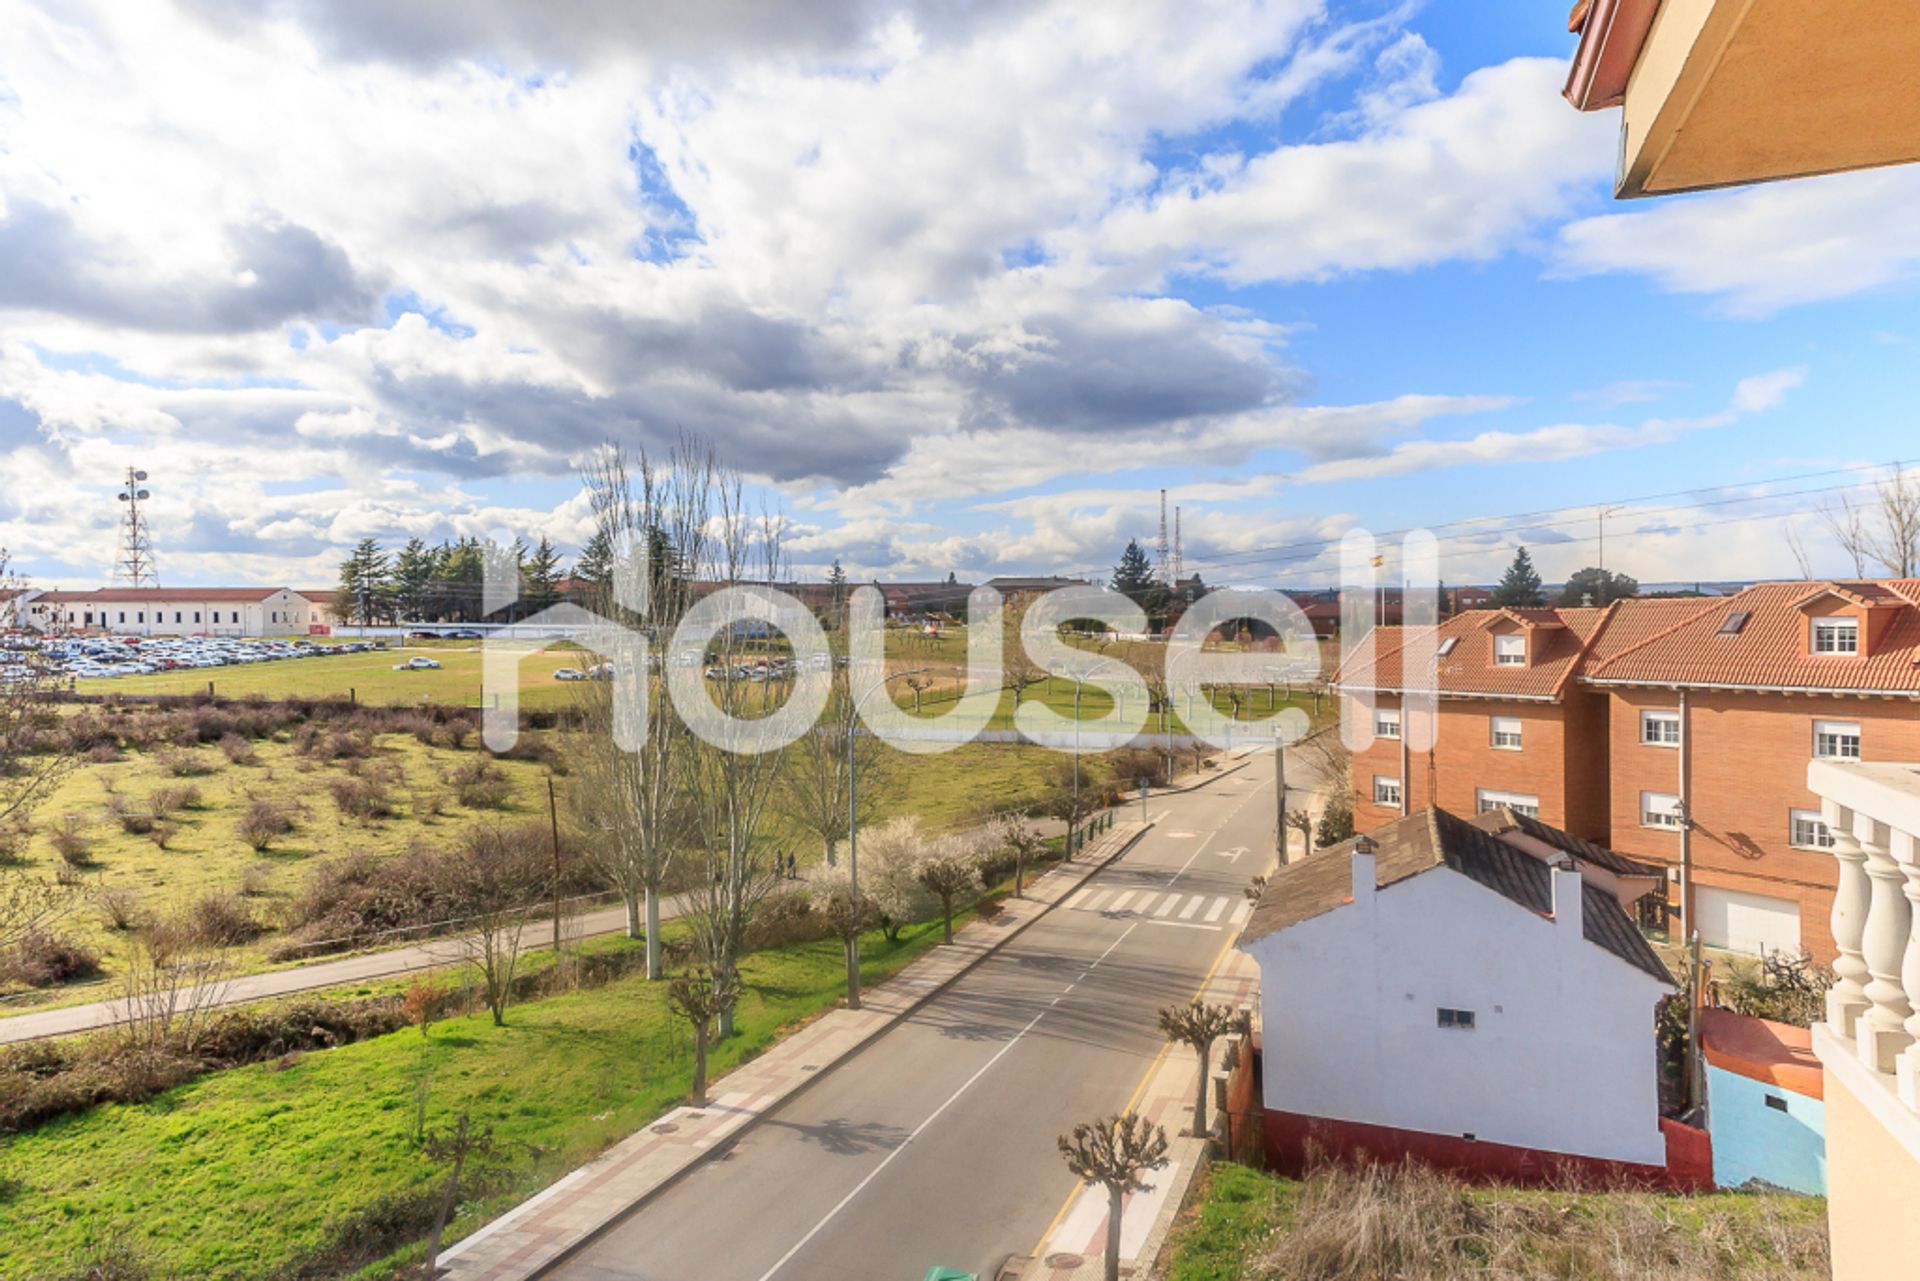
(1200, 911)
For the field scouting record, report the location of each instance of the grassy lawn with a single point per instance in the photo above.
(369, 676)
(1387, 1226)
(235, 1174)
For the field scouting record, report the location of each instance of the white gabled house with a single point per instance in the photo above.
(172, 611)
(1473, 994)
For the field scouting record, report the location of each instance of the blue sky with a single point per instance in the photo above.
(961, 289)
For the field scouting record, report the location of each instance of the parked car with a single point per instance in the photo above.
(418, 663)
(568, 674)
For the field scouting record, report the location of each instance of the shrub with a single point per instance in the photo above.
(428, 802)
(70, 841)
(237, 750)
(14, 835)
(41, 958)
(361, 798)
(262, 822)
(1783, 988)
(163, 832)
(785, 920)
(105, 752)
(423, 1003)
(479, 785)
(219, 920)
(184, 764)
(120, 908)
(254, 878)
(165, 802)
(134, 819)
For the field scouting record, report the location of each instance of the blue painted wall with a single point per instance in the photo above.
(1752, 1140)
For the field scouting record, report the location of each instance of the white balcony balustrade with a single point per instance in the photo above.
(1872, 811)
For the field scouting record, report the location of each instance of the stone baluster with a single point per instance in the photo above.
(1906, 851)
(1847, 999)
(1882, 1031)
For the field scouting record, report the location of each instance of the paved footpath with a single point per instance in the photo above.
(1074, 1248)
(540, 1231)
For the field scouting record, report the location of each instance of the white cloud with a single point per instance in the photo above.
(1762, 249)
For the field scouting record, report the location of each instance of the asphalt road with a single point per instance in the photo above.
(936, 1144)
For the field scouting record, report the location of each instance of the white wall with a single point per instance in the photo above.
(256, 618)
(1562, 1056)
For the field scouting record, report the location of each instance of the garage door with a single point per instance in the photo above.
(1743, 922)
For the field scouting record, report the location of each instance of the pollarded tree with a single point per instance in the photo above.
(1198, 1025)
(947, 877)
(703, 997)
(848, 918)
(1114, 1152)
(1520, 585)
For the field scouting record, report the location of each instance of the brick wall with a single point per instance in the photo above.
(1464, 761)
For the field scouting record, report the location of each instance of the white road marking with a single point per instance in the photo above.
(1193, 905)
(1233, 855)
(918, 1130)
(1218, 910)
(1186, 925)
(1120, 904)
(1241, 913)
(1091, 901)
(1173, 901)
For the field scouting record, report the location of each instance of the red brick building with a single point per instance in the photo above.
(1656, 724)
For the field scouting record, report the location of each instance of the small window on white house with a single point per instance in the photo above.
(1386, 722)
(196, 615)
(1487, 800)
(1506, 733)
(1836, 740)
(1659, 809)
(1461, 1020)
(1386, 791)
(1660, 729)
(1810, 831)
(1510, 650)
(1836, 636)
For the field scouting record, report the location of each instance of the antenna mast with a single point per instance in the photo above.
(1178, 569)
(135, 567)
(1166, 556)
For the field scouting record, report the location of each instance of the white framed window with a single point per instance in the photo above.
(1836, 740)
(1836, 636)
(1809, 831)
(1510, 649)
(1506, 733)
(1486, 799)
(1660, 729)
(1386, 791)
(1386, 722)
(1458, 1020)
(1659, 809)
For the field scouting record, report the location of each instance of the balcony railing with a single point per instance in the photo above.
(1872, 811)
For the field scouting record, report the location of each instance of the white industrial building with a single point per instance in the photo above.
(1473, 994)
(174, 611)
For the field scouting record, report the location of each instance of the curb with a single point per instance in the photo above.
(722, 1147)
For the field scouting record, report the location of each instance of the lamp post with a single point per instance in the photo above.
(1079, 679)
(853, 827)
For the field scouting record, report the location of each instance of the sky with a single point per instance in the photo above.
(959, 287)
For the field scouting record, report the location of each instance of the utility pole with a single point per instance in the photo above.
(553, 818)
(1601, 513)
(1280, 799)
(1686, 823)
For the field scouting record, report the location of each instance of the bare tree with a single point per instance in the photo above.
(731, 783)
(1114, 1152)
(849, 917)
(820, 768)
(1797, 548)
(1021, 839)
(1198, 1025)
(947, 877)
(457, 1146)
(30, 767)
(919, 683)
(495, 874)
(167, 991)
(702, 997)
(655, 519)
(1883, 530)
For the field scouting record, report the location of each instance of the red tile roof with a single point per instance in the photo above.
(1675, 642)
(1561, 639)
(1770, 650)
(159, 595)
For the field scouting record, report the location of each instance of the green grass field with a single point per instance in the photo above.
(233, 1175)
(369, 677)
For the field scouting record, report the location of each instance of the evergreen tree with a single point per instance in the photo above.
(1520, 585)
(595, 565)
(1134, 578)
(540, 576)
(413, 576)
(365, 583)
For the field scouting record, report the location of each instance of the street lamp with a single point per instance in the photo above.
(853, 827)
(1079, 679)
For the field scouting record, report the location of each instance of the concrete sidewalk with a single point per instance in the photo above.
(1075, 1249)
(541, 1231)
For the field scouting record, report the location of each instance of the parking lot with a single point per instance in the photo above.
(95, 657)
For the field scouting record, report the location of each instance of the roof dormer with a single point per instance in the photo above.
(1847, 620)
(1518, 637)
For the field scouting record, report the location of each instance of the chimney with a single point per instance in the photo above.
(1363, 870)
(1567, 906)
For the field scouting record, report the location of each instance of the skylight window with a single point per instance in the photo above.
(1446, 646)
(1732, 623)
